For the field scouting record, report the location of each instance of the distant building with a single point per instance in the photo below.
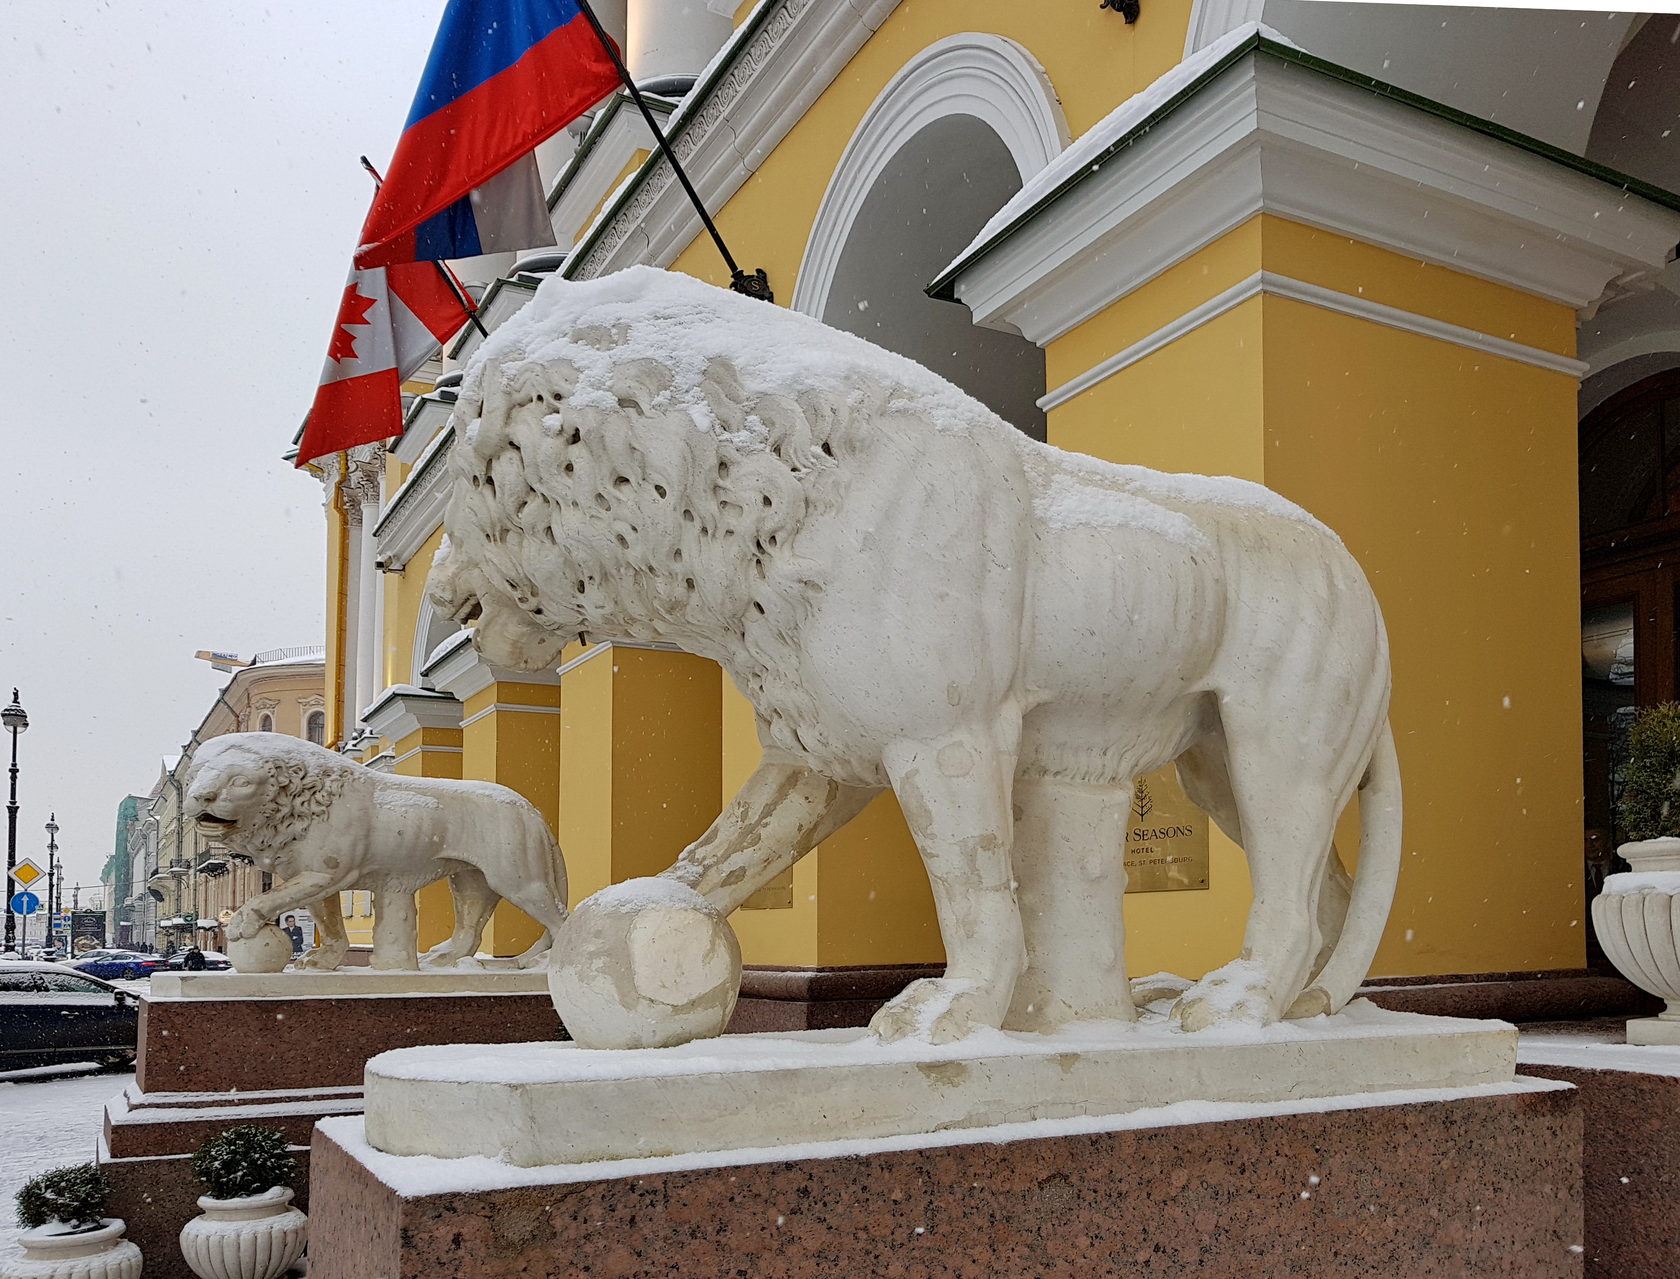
(185, 885)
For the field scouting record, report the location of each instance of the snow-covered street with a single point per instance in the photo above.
(52, 1118)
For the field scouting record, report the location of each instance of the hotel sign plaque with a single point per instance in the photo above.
(1166, 837)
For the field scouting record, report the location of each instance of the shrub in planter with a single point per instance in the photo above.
(247, 1228)
(244, 1161)
(1650, 804)
(74, 1197)
(66, 1232)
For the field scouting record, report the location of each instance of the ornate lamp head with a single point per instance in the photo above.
(14, 717)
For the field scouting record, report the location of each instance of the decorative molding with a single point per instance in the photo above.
(1210, 19)
(427, 416)
(1272, 284)
(984, 76)
(760, 85)
(1273, 136)
(611, 143)
(503, 300)
(416, 509)
(594, 650)
(425, 750)
(403, 709)
(514, 707)
(463, 674)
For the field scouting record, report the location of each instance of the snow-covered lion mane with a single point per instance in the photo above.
(623, 517)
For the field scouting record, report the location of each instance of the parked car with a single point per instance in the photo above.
(214, 961)
(108, 964)
(51, 1014)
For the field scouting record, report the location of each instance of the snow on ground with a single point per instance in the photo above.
(53, 1117)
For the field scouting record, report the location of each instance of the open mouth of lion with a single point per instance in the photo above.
(212, 824)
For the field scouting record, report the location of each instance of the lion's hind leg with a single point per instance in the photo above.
(1283, 807)
(1070, 874)
(474, 902)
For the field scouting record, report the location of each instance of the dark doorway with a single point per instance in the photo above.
(1630, 589)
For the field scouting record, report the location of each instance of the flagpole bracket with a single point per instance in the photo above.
(755, 284)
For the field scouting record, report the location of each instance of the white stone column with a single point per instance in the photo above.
(672, 37)
(361, 499)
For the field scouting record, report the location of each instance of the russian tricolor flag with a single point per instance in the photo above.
(503, 76)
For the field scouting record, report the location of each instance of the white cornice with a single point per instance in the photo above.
(618, 133)
(502, 300)
(1274, 285)
(403, 709)
(762, 82)
(463, 674)
(428, 415)
(1272, 136)
(416, 509)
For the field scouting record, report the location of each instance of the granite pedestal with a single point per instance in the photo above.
(283, 1050)
(1479, 1181)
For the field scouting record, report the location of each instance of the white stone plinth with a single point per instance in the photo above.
(346, 982)
(1654, 1030)
(554, 1103)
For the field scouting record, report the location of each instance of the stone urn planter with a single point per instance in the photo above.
(55, 1252)
(1637, 918)
(252, 1237)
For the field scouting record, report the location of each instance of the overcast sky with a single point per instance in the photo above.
(178, 201)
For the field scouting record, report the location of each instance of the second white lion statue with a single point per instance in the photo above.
(324, 825)
(915, 595)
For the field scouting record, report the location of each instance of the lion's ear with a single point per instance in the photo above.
(638, 383)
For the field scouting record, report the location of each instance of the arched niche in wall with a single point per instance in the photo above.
(431, 628)
(947, 142)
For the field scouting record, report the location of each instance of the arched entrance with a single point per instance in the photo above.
(946, 144)
(1630, 587)
(928, 203)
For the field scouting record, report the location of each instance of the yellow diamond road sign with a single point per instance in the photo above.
(27, 873)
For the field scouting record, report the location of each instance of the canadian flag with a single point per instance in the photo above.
(389, 321)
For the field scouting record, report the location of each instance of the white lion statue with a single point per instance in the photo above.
(323, 825)
(915, 595)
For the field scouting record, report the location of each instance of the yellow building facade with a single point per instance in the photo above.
(1375, 261)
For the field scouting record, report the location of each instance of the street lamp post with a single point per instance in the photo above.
(55, 879)
(15, 721)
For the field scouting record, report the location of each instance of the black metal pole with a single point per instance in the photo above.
(52, 849)
(755, 285)
(11, 844)
(449, 279)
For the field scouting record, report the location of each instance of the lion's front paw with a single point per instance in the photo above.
(1237, 994)
(936, 1010)
(243, 925)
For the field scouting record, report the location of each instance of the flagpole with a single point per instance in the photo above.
(461, 295)
(756, 285)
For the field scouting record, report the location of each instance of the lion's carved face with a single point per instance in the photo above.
(257, 792)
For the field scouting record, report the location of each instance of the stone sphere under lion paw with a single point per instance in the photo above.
(644, 964)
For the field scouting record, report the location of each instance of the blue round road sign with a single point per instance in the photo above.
(25, 903)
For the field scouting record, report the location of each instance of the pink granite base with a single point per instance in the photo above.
(209, 1045)
(1473, 1186)
(1630, 1170)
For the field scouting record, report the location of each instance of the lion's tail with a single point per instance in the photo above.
(1373, 886)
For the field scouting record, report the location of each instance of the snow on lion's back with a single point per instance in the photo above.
(684, 323)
